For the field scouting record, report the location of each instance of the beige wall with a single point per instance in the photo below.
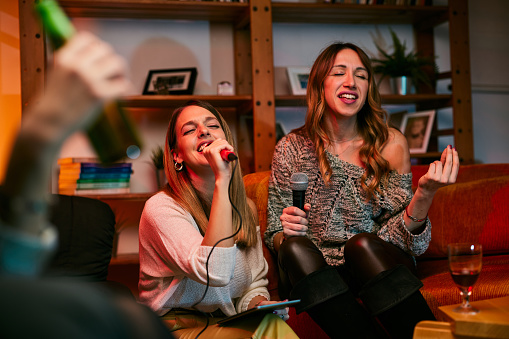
(10, 89)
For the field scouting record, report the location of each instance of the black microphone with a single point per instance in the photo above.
(228, 155)
(299, 185)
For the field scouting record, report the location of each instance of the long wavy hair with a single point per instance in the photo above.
(372, 123)
(180, 187)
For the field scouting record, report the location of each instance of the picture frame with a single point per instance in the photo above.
(176, 81)
(416, 127)
(298, 78)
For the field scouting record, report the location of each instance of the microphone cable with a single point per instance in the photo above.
(213, 247)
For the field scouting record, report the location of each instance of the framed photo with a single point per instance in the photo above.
(170, 81)
(417, 129)
(298, 78)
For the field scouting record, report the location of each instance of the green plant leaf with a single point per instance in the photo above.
(158, 157)
(400, 63)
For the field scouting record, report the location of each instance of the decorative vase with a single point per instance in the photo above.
(401, 85)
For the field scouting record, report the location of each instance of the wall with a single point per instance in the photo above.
(10, 86)
(159, 44)
(489, 50)
(169, 44)
(488, 29)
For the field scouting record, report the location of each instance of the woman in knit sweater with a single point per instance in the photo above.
(361, 224)
(199, 257)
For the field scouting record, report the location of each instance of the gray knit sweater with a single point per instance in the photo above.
(339, 210)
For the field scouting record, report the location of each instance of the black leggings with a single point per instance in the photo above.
(366, 255)
(376, 272)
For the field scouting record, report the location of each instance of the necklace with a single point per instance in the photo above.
(333, 146)
(343, 141)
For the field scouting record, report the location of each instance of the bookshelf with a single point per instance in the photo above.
(253, 55)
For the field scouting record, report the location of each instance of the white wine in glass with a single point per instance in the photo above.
(465, 262)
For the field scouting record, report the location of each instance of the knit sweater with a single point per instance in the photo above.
(173, 264)
(340, 210)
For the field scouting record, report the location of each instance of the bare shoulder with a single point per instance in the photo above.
(396, 152)
(253, 208)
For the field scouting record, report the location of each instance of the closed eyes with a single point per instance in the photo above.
(189, 131)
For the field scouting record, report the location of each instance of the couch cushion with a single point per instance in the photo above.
(470, 212)
(86, 229)
(439, 288)
(257, 189)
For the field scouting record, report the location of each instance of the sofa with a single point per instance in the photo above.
(475, 209)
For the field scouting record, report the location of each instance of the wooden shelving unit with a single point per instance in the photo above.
(242, 103)
(358, 14)
(253, 50)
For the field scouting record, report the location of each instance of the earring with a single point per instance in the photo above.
(178, 166)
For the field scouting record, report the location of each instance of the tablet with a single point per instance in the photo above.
(258, 310)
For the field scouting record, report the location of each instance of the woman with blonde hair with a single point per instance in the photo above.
(200, 249)
(362, 224)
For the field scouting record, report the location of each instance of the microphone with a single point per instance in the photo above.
(299, 185)
(228, 155)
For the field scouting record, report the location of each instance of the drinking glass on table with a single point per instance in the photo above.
(465, 262)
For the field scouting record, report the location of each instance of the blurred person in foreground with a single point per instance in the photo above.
(86, 73)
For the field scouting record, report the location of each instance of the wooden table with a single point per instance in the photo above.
(491, 322)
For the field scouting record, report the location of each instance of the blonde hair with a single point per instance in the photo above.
(180, 188)
(372, 123)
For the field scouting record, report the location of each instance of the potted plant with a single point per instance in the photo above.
(401, 67)
(158, 162)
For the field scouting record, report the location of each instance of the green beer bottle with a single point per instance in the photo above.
(113, 135)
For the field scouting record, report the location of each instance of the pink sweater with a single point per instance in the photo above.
(173, 264)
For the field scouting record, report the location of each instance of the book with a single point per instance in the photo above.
(94, 170)
(82, 176)
(90, 181)
(124, 190)
(92, 165)
(93, 175)
(77, 160)
(92, 185)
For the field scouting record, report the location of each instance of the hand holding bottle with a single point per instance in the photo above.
(86, 73)
(112, 134)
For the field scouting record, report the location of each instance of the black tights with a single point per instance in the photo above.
(366, 256)
(373, 270)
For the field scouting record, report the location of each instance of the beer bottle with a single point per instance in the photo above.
(113, 135)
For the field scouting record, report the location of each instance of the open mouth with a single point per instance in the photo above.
(348, 96)
(202, 146)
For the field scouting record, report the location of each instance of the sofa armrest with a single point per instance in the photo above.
(473, 211)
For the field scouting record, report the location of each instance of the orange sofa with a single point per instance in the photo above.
(475, 209)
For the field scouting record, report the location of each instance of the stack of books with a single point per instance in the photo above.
(85, 176)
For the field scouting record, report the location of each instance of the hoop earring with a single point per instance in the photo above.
(178, 166)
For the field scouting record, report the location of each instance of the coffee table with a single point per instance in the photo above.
(491, 322)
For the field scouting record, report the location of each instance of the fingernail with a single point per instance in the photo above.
(454, 148)
(449, 146)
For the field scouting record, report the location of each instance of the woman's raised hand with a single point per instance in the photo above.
(441, 173)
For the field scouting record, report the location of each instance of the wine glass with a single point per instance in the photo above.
(465, 262)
